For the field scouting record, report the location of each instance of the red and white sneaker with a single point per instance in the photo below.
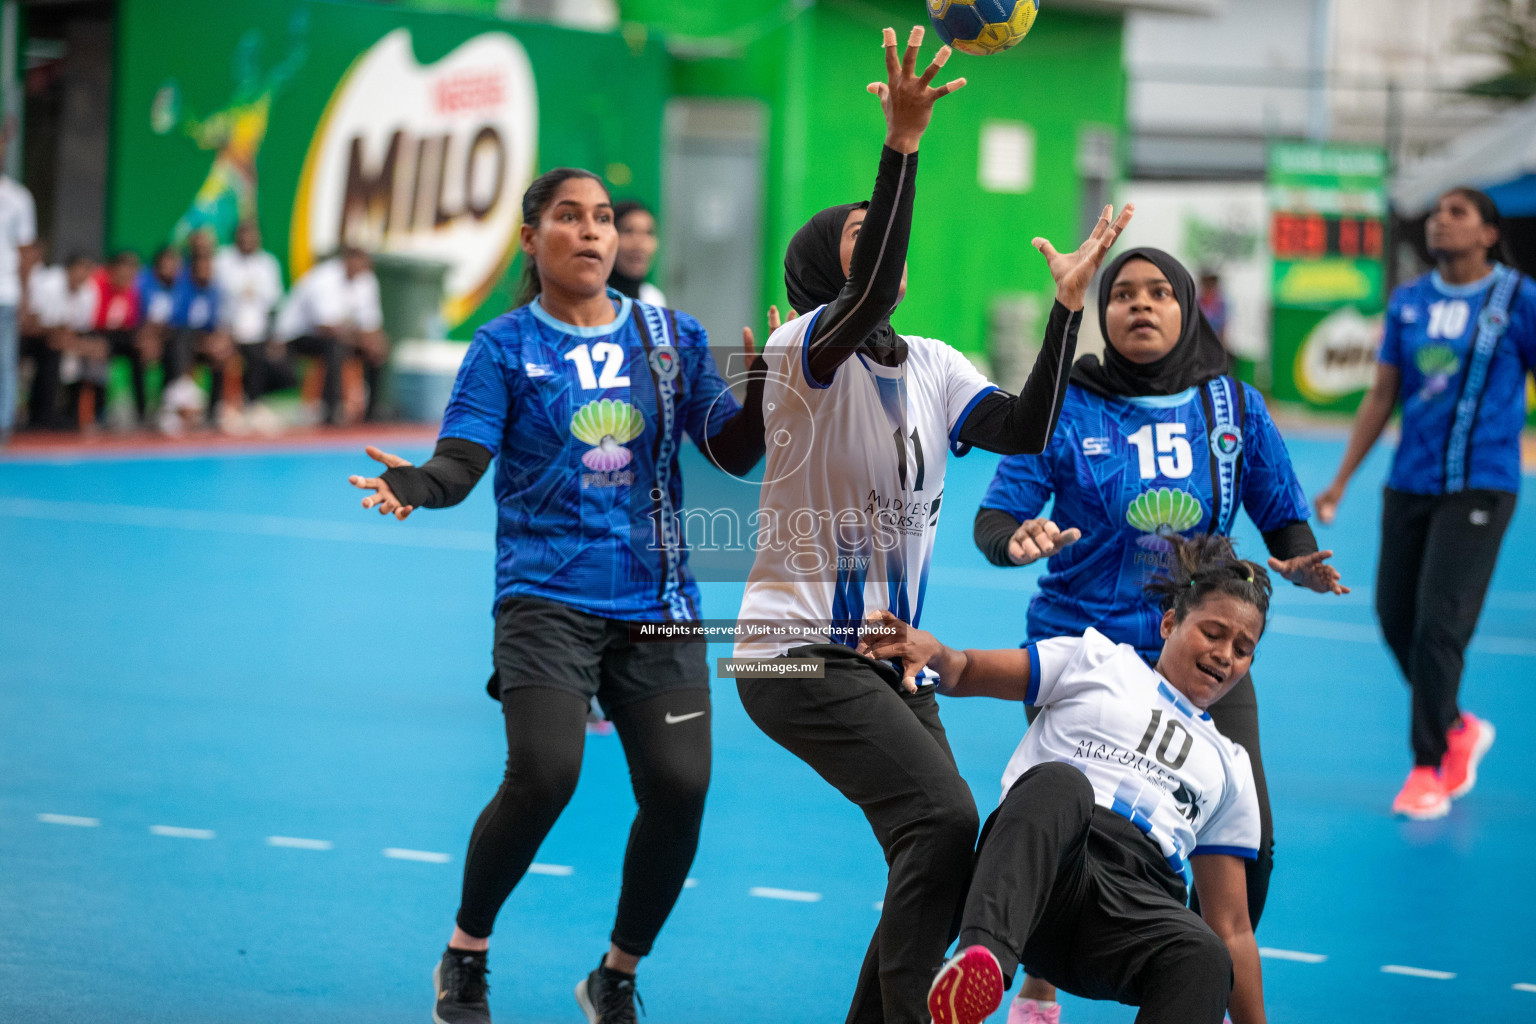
(1423, 796)
(969, 987)
(1465, 746)
(1032, 1011)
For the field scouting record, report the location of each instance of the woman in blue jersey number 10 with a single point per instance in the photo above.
(1458, 344)
(583, 396)
(1154, 441)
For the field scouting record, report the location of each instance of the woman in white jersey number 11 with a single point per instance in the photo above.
(1121, 782)
(859, 421)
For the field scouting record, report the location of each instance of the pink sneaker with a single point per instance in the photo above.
(969, 987)
(1465, 746)
(1032, 1011)
(1423, 796)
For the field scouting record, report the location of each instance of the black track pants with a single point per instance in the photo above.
(1437, 557)
(1079, 897)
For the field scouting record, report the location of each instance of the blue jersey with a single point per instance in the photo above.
(586, 424)
(155, 301)
(194, 306)
(1128, 473)
(1463, 380)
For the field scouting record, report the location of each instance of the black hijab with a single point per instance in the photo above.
(813, 276)
(623, 283)
(1198, 355)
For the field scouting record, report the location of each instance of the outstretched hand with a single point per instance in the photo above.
(383, 498)
(1073, 271)
(1311, 571)
(749, 341)
(907, 97)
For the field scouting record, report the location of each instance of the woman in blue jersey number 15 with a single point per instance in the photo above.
(1458, 344)
(1155, 440)
(583, 396)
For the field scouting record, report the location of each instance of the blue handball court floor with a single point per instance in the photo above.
(244, 735)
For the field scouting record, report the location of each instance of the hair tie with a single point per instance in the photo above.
(1191, 581)
(1250, 574)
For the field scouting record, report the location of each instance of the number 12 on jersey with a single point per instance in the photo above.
(1164, 450)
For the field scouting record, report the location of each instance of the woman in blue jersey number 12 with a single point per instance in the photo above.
(1458, 344)
(583, 396)
(1154, 441)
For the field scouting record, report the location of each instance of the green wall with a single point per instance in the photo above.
(600, 102)
(825, 131)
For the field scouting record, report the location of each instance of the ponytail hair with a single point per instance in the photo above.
(1488, 210)
(535, 201)
(1203, 565)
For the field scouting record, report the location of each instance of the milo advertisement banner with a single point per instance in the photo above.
(404, 132)
(1327, 224)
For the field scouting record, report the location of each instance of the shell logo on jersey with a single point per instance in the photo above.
(1438, 364)
(1226, 441)
(424, 160)
(1162, 512)
(607, 425)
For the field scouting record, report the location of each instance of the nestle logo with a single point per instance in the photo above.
(469, 90)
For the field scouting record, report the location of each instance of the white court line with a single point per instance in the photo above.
(246, 523)
(1523, 986)
(424, 856)
(557, 870)
(792, 895)
(1291, 954)
(294, 843)
(177, 832)
(1358, 633)
(1418, 972)
(69, 819)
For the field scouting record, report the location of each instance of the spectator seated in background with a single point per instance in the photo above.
(637, 252)
(117, 318)
(332, 313)
(250, 285)
(155, 285)
(71, 318)
(194, 335)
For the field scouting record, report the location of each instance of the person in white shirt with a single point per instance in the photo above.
(637, 252)
(69, 313)
(863, 420)
(333, 312)
(1119, 785)
(18, 228)
(250, 285)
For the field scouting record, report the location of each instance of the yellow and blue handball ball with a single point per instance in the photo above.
(982, 26)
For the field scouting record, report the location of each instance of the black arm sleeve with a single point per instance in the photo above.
(445, 479)
(1291, 540)
(993, 529)
(738, 444)
(879, 260)
(1023, 424)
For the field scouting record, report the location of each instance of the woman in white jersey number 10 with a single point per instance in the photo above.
(1121, 781)
(859, 421)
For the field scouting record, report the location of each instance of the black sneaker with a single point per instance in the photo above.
(459, 979)
(608, 997)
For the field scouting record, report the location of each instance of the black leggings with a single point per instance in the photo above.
(1237, 716)
(1437, 557)
(1079, 897)
(669, 763)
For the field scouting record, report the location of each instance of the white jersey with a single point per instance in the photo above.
(250, 286)
(18, 227)
(1151, 755)
(851, 493)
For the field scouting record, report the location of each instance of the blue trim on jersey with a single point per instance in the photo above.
(1034, 675)
(1463, 291)
(1491, 325)
(1161, 401)
(1173, 698)
(954, 432)
(536, 307)
(1228, 851)
(805, 354)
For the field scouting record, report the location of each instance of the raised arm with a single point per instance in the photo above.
(1223, 886)
(880, 254)
(1022, 424)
